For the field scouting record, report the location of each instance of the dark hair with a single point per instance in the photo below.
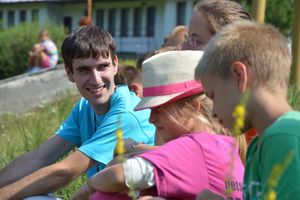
(87, 41)
(145, 56)
(128, 74)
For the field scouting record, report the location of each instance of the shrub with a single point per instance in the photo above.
(17, 41)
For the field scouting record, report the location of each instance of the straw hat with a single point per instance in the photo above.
(169, 76)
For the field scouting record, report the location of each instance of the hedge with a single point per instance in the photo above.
(15, 43)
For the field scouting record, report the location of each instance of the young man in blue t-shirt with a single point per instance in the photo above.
(91, 63)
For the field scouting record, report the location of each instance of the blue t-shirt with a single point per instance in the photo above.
(95, 135)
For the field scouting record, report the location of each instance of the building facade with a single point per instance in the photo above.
(138, 26)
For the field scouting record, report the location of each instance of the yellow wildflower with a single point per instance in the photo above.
(275, 175)
(239, 114)
(271, 195)
(120, 143)
(120, 149)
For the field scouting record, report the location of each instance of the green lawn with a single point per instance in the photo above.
(20, 133)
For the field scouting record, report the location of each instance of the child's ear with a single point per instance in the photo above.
(239, 72)
(196, 104)
(69, 74)
(136, 88)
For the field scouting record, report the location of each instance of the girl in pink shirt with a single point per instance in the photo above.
(198, 154)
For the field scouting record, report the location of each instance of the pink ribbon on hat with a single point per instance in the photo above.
(171, 88)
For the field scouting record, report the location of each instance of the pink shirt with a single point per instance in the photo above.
(186, 166)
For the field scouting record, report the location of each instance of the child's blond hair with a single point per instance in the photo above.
(260, 47)
(204, 121)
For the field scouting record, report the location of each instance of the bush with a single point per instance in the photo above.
(17, 41)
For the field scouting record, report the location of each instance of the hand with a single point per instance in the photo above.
(127, 145)
(116, 160)
(84, 193)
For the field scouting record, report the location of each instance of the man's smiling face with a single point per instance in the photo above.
(94, 78)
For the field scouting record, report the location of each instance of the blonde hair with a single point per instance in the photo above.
(219, 13)
(204, 121)
(260, 47)
(176, 37)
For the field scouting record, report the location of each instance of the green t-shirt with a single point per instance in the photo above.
(279, 143)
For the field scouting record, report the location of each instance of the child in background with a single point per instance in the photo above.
(176, 38)
(44, 54)
(85, 21)
(251, 58)
(130, 76)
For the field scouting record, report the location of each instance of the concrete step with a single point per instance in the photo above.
(26, 91)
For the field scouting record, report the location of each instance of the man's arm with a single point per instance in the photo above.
(49, 152)
(50, 178)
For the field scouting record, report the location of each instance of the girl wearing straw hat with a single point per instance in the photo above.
(198, 153)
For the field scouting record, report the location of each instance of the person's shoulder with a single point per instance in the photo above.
(82, 102)
(49, 43)
(205, 137)
(287, 124)
(124, 99)
(124, 91)
(82, 105)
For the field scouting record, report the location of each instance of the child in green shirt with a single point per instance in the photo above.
(252, 58)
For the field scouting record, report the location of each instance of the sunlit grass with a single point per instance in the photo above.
(20, 133)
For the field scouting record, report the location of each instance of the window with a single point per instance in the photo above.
(150, 21)
(10, 18)
(35, 15)
(100, 18)
(124, 22)
(68, 23)
(22, 16)
(181, 13)
(112, 21)
(137, 22)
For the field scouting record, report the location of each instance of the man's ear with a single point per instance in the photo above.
(240, 75)
(116, 65)
(69, 73)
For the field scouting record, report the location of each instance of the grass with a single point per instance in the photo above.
(294, 97)
(20, 133)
